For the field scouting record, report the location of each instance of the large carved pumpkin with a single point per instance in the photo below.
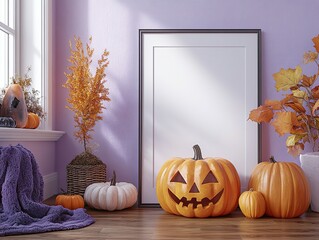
(284, 187)
(14, 105)
(197, 187)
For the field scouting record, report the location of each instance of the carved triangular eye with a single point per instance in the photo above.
(178, 178)
(210, 178)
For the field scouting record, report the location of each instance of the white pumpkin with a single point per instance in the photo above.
(110, 196)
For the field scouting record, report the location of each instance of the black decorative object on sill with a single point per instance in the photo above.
(7, 122)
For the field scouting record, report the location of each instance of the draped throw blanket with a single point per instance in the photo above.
(21, 207)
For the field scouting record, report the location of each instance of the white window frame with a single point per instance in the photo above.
(15, 32)
(46, 133)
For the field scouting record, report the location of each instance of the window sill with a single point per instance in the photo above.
(21, 134)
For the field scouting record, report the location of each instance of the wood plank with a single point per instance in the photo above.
(154, 223)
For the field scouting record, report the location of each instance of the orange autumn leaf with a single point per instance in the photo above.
(286, 99)
(315, 92)
(308, 81)
(296, 106)
(297, 113)
(315, 107)
(287, 78)
(294, 102)
(274, 104)
(310, 57)
(315, 40)
(261, 114)
(87, 90)
(285, 122)
(296, 149)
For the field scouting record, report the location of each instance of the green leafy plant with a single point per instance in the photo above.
(296, 114)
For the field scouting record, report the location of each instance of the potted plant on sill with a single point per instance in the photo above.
(86, 95)
(297, 115)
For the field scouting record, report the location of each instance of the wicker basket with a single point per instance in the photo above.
(81, 176)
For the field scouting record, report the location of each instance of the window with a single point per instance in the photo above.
(8, 38)
(25, 40)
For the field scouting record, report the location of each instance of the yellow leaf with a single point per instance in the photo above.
(296, 149)
(285, 122)
(285, 79)
(315, 40)
(315, 107)
(293, 139)
(261, 114)
(274, 104)
(300, 95)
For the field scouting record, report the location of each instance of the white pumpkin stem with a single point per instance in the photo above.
(113, 180)
(197, 152)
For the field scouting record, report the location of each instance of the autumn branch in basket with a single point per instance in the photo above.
(86, 91)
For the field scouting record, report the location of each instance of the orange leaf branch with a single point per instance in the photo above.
(86, 91)
(297, 113)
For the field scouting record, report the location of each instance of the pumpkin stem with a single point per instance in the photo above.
(113, 180)
(272, 159)
(251, 189)
(197, 152)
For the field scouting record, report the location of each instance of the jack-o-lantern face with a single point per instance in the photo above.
(194, 195)
(197, 187)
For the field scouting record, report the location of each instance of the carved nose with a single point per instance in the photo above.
(194, 189)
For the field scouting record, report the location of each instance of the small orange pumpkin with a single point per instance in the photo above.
(252, 204)
(70, 201)
(33, 121)
(284, 187)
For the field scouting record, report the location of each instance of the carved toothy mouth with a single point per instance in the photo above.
(205, 201)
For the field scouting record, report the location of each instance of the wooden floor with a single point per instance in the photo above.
(154, 223)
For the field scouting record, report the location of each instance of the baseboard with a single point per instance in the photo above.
(50, 185)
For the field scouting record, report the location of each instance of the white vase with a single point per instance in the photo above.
(310, 165)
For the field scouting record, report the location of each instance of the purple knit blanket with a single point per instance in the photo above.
(21, 207)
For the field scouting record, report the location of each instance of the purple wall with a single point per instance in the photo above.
(44, 153)
(287, 28)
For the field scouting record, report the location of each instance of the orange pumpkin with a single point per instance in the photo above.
(14, 105)
(70, 201)
(284, 187)
(197, 187)
(33, 121)
(252, 204)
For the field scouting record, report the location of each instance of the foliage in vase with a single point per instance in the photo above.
(296, 114)
(86, 91)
